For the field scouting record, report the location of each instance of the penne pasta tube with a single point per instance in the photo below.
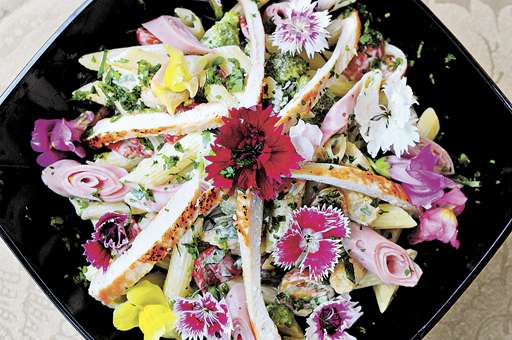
(181, 264)
(392, 217)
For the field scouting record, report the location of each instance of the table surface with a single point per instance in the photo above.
(483, 312)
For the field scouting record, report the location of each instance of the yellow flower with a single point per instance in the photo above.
(177, 75)
(147, 308)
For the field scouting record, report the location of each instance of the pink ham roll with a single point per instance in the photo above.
(385, 259)
(172, 31)
(69, 178)
(336, 120)
(237, 306)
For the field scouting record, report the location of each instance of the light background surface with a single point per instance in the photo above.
(483, 312)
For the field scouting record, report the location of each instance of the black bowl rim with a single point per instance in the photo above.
(507, 229)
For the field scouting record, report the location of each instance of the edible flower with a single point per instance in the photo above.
(418, 178)
(212, 267)
(331, 320)
(113, 234)
(440, 223)
(437, 224)
(299, 26)
(90, 181)
(177, 73)
(306, 138)
(252, 153)
(147, 308)
(453, 199)
(203, 317)
(313, 241)
(53, 137)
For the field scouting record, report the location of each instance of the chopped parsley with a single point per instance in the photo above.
(178, 147)
(142, 194)
(236, 79)
(146, 71)
(56, 221)
(228, 172)
(419, 50)
(463, 159)
(370, 37)
(449, 58)
(80, 95)
(193, 247)
(472, 183)
(103, 63)
(170, 161)
(432, 79)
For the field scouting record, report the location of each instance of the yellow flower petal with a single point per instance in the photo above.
(177, 74)
(155, 321)
(146, 293)
(126, 316)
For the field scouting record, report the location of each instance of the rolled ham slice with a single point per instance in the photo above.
(93, 182)
(249, 221)
(237, 306)
(306, 98)
(200, 118)
(254, 87)
(172, 31)
(385, 259)
(336, 120)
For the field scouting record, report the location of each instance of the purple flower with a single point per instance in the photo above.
(53, 137)
(112, 236)
(331, 320)
(437, 224)
(299, 26)
(418, 178)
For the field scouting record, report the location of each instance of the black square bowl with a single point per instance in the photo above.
(475, 116)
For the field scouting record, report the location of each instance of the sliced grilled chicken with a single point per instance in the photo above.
(201, 117)
(345, 50)
(357, 180)
(254, 87)
(249, 219)
(154, 242)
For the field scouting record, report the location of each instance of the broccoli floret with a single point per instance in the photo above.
(284, 320)
(324, 104)
(284, 67)
(224, 32)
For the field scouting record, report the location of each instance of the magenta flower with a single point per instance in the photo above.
(203, 317)
(454, 199)
(299, 26)
(113, 234)
(313, 241)
(437, 224)
(418, 178)
(53, 137)
(331, 320)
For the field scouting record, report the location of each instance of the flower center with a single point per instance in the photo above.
(330, 320)
(114, 234)
(311, 241)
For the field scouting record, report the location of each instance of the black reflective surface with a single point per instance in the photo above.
(475, 120)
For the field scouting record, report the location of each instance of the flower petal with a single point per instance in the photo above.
(126, 316)
(322, 262)
(437, 224)
(146, 293)
(155, 321)
(96, 254)
(287, 249)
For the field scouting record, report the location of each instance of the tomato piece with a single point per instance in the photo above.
(144, 37)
